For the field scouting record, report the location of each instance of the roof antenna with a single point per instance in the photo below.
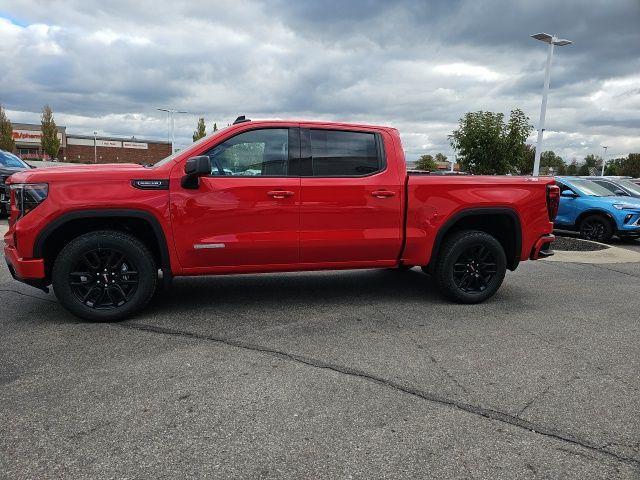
(241, 119)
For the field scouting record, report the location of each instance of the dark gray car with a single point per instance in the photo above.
(621, 187)
(9, 164)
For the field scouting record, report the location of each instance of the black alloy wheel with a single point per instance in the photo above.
(596, 228)
(471, 266)
(474, 269)
(104, 279)
(104, 276)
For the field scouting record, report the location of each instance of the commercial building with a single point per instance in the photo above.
(87, 148)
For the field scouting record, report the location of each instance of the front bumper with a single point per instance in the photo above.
(29, 271)
(542, 248)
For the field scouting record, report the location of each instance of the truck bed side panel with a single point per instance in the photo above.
(433, 200)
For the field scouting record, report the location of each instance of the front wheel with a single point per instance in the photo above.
(471, 267)
(104, 276)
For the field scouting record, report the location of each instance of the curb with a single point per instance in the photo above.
(608, 255)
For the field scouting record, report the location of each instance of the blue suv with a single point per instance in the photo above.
(595, 212)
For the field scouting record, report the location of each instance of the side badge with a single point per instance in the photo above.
(151, 184)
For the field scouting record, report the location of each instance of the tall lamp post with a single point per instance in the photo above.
(552, 40)
(95, 147)
(172, 113)
(604, 159)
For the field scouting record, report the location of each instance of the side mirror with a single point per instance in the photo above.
(620, 193)
(194, 168)
(568, 194)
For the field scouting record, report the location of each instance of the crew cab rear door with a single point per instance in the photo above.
(351, 198)
(245, 215)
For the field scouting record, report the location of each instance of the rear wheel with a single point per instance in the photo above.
(596, 228)
(471, 267)
(104, 276)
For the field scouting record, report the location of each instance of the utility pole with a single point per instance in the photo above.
(95, 147)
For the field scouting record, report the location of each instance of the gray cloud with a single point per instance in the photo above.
(413, 64)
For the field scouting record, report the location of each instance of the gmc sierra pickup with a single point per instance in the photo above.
(268, 196)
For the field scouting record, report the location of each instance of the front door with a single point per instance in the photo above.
(245, 215)
(568, 207)
(351, 209)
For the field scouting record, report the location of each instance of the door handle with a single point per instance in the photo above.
(383, 193)
(280, 193)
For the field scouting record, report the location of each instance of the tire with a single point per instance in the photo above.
(89, 291)
(597, 228)
(471, 266)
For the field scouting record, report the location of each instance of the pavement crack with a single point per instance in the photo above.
(533, 399)
(614, 270)
(9, 290)
(406, 389)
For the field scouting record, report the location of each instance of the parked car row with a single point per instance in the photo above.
(599, 207)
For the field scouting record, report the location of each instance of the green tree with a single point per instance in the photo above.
(631, 165)
(549, 160)
(426, 162)
(525, 166)
(614, 167)
(572, 168)
(592, 165)
(6, 131)
(201, 130)
(486, 145)
(440, 158)
(215, 127)
(50, 140)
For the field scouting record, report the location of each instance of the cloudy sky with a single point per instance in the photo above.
(416, 65)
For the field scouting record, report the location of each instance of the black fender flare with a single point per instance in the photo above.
(596, 211)
(41, 239)
(512, 263)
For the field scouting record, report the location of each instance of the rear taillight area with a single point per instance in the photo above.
(553, 201)
(27, 196)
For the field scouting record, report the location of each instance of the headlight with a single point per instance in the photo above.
(627, 206)
(27, 196)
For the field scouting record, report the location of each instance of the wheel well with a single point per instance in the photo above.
(601, 213)
(63, 233)
(503, 225)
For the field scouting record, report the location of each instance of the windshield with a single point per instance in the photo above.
(190, 147)
(629, 185)
(10, 160)
(590, 188)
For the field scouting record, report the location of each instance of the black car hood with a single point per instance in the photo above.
(6, 171)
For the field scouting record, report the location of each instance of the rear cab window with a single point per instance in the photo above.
(343, 153)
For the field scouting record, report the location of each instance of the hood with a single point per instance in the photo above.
(104, 171)
(618, 200)
(5, 171)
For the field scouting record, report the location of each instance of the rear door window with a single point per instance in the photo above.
(337, 153)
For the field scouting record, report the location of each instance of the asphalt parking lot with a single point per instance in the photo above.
(357, 374)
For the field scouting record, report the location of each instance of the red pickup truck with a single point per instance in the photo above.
(268, 196)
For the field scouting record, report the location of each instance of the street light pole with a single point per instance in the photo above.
(171, 112)
(604, 159)
(552, 41)
(95, 147)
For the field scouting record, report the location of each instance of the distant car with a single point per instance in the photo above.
(619, 186)
(9, 164)
(595, 212)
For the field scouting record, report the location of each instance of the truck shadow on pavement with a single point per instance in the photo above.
(286, 290)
